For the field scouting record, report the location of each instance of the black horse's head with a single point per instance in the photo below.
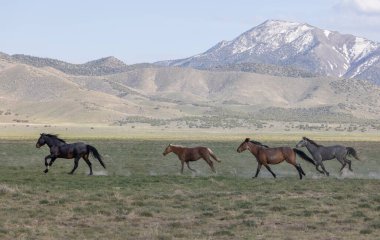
(41, 141)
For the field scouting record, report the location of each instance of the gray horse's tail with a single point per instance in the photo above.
(351, 151)
(303, 156)
(213, 155)
(96, 154)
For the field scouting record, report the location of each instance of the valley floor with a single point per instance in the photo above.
(141, 195)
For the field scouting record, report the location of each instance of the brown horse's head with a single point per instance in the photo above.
(244, 145)
(168, 150)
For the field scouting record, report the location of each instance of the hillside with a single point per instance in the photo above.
(99, 67)
(45, 94)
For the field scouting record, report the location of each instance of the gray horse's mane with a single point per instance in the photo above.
(312, 142)
(55, 136)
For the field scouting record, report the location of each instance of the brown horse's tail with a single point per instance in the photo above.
(351, 151)
(96, 154)
(213, 155)
(303, 156)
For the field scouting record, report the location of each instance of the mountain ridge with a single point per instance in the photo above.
(298, 45)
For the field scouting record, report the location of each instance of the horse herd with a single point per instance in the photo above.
(264, 154)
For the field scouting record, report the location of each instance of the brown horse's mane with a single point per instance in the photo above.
(259, 143)
(312, 142)
(54, 136)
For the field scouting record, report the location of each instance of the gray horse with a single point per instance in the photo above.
(321, 153)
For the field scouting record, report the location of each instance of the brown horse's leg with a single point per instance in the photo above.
(188, 165)
(182, 163)
(85, 158)
(210, 163)
(299, 169)
(270, 170)
(257, 170)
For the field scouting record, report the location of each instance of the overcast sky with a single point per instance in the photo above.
(147, 30)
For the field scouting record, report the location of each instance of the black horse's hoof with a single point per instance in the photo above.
(46, 170)
(70, 173)
(327, 174)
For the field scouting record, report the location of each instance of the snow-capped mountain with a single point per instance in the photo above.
(297, 45)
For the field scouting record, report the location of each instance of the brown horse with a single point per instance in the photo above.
(265, 155)
(187, 155)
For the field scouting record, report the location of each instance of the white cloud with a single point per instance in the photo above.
(360, 6)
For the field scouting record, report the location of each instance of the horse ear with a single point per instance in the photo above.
(247, 140)
(304, 138)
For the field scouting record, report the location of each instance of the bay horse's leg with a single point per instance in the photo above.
(299, 169)
(46, 163)
(270, 170)
(182, 162)
(188, 165)
(257, 170)
(85, 158)
(75, 164)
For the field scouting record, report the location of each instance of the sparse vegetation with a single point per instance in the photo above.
(143, 197)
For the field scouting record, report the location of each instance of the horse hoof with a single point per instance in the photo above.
(45, 171)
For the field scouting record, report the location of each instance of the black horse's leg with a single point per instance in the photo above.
(85, 158)
(270, 170)
(46, 163)
(188, 165)
(75, 165)
(257, 170)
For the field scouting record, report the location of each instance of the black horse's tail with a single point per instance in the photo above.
(351, 151)
(303, 156)
(95, 153)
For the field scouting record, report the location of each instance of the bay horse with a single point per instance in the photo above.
(321, 153)
(187, 155)
(266, 155)
(60, 149)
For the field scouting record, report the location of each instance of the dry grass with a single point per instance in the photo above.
(144, 197)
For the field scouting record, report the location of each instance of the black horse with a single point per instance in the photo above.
(321, 153)
(60, 149)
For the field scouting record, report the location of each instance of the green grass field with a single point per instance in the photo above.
(141, 195)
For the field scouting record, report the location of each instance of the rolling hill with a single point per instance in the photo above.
(45, 94)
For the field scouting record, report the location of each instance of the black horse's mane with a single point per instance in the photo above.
(55, 136)
(312, 142)
(259, 143)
